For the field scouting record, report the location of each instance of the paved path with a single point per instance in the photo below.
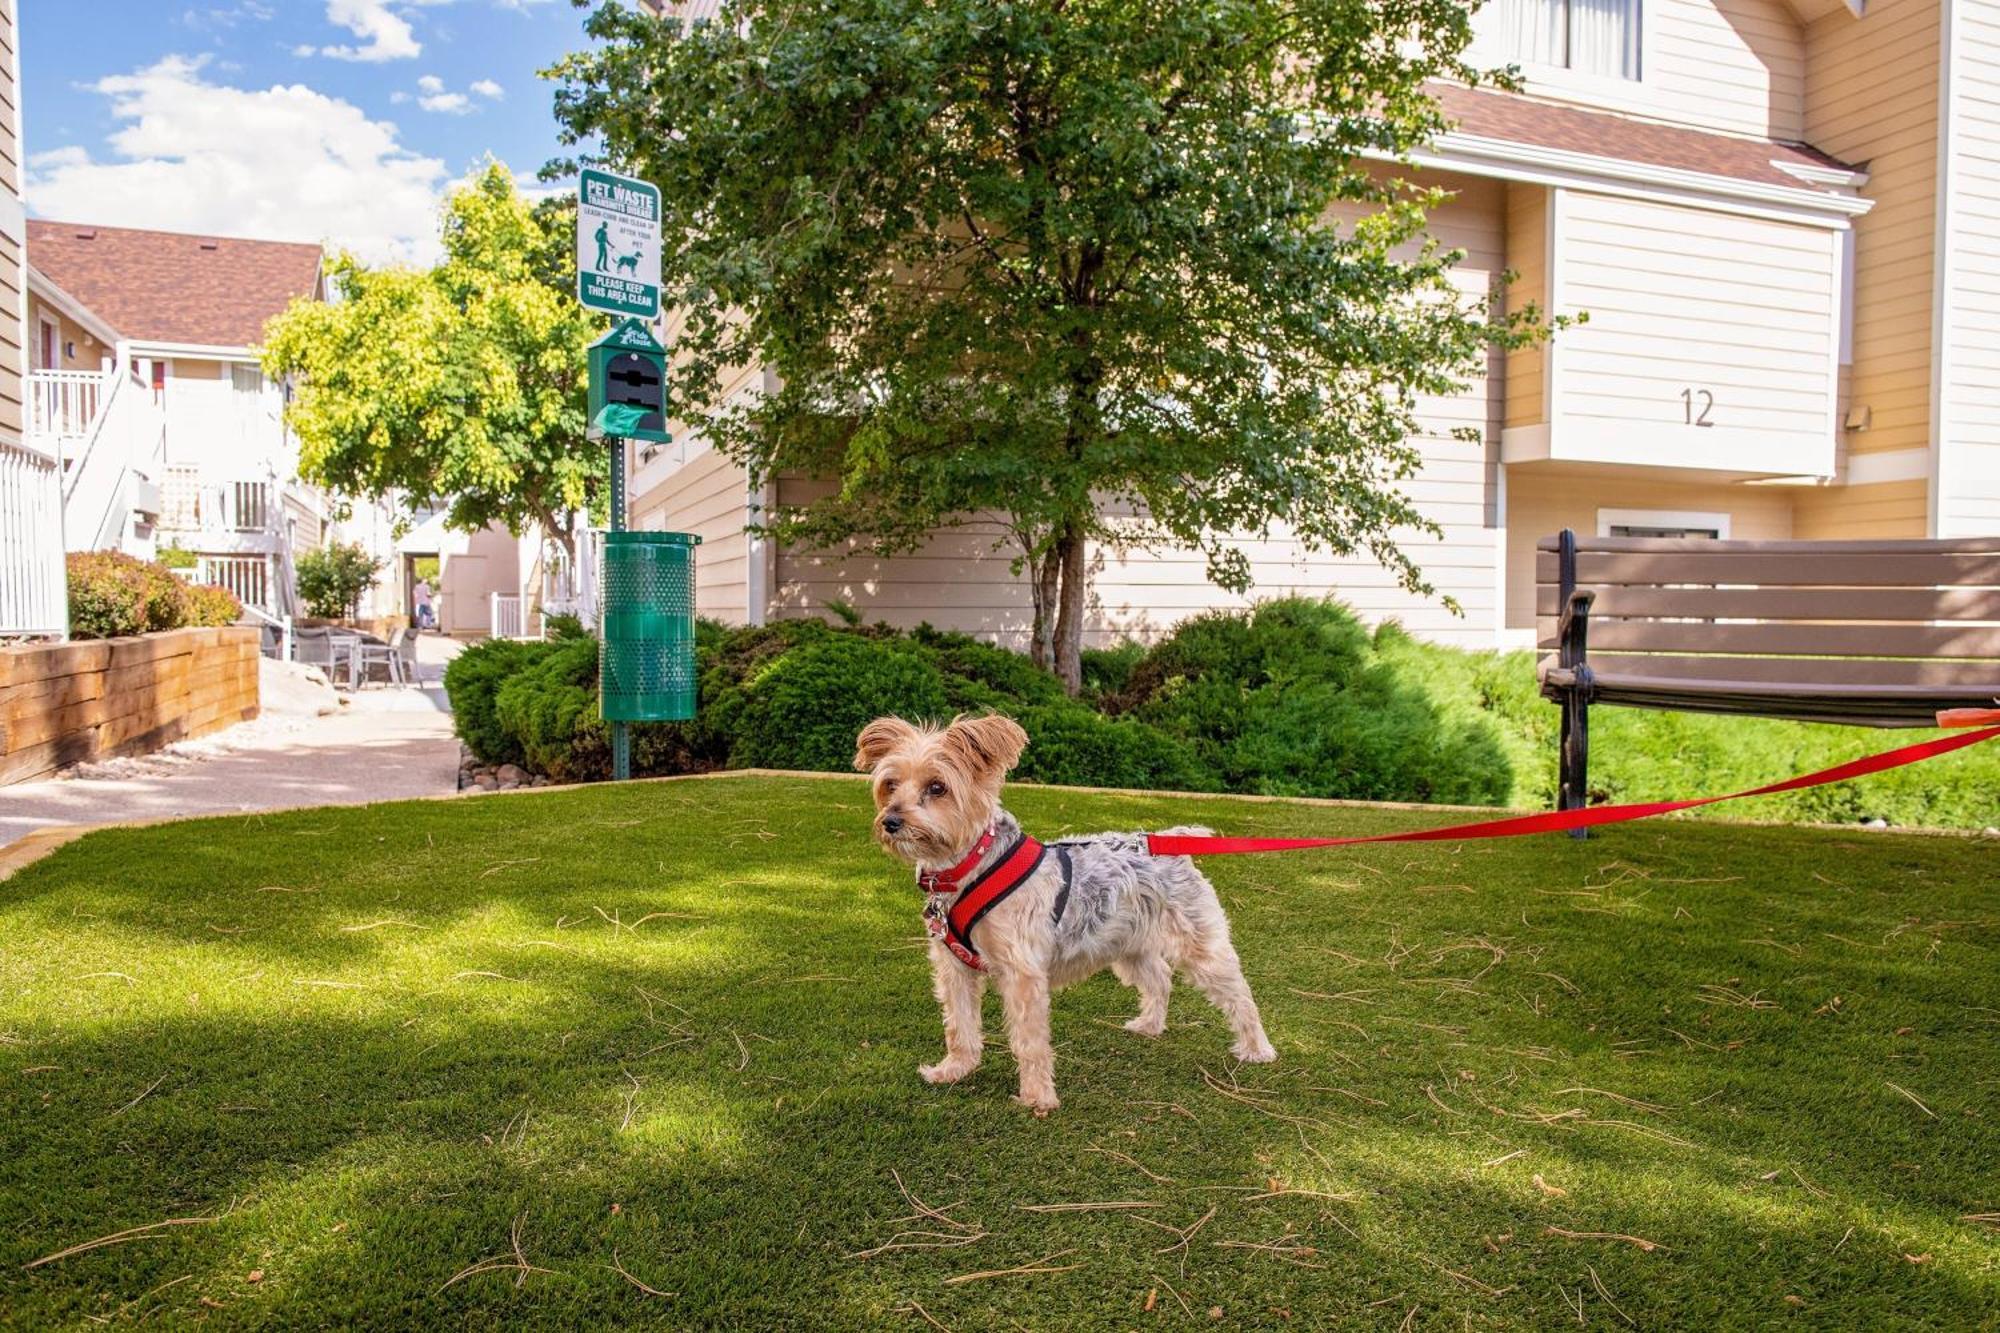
(385, 744)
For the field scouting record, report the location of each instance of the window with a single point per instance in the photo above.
(1662, 523)
(1598, 37)
(246, 380)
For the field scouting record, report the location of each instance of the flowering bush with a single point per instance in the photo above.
(113, 594)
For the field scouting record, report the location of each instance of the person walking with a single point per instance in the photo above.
(426, 616)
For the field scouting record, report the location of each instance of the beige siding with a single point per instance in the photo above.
(13, 355)
(13, 239)
(10, 104)
(707, 496)
(1543, 499)
(1887, 509)
(1693, 313)
(1528, 258)
(1872, 97)
(77, 348)
(1733, 65)
(1968, 478)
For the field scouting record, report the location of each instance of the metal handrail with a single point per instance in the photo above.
(283, 624)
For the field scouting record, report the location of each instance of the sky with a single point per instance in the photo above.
(338, 121)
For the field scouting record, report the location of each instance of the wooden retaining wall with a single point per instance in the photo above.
(68, 703)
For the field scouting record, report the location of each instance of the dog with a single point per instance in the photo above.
(628, 262)
(1075, 907)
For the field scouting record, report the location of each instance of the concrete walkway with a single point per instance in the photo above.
(384, 744)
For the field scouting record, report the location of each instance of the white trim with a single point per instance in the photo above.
(1836, 336)
(1663, 518)
(1832, 178)
(1535, 164)
(1500, 556)
(1941, 260)
(13, 218)
(193, 351)
(1888, 465)
(1552, 350)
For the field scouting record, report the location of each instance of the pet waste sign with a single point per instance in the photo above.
(618, 244)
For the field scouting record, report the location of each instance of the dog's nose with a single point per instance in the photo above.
(892, 823)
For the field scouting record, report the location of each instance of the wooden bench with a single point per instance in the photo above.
(1866, 633)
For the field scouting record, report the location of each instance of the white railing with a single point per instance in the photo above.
(187, 505)
(105, 467)
(63, 404)
(282, 623)
(33, 588)
(248, 576)
(504, 620)
(245, 505)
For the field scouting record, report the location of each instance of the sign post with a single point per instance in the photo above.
(644, 650)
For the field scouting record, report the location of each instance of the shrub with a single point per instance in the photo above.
(544, 701)
(332, 580)
(804, 709)
(112, 594)
(1071, 746)
(174, 556)
(472, 679)
(1107, 671)
(209, 604)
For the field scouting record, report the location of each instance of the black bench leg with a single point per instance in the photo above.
(1575, 761)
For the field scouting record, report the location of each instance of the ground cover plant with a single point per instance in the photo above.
(1292, 698)
(644, 1056)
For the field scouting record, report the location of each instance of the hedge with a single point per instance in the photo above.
(1293, 697)
(112, 594)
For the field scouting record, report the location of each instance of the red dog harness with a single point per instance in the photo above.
(952, 924)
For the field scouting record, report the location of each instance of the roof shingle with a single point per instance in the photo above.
(1522, 120)
(172, 287)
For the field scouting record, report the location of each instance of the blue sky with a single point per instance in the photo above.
(340, 121)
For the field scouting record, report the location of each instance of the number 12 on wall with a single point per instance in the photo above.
(1697, 403)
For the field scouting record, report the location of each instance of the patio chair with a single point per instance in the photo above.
(370, 652)
(407, 651)
(313, 645)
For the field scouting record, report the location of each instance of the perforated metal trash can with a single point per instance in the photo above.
(646, 663)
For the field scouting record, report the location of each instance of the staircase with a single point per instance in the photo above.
(110, 438)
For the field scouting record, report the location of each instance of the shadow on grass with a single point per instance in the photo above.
(716, 1100)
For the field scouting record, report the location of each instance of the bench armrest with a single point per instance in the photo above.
(1573, 629)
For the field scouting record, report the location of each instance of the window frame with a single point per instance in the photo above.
(1718, 521)
(1563, 83)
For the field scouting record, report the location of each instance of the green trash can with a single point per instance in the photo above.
(645, 665)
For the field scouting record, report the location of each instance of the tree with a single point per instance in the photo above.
(1055, 261)
(331, 580)
(461, 384)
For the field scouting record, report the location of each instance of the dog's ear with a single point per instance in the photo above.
(990, 743)
(878, 738)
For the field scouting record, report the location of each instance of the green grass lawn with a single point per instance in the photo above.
(456, 1063)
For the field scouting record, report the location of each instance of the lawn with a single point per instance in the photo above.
(645, 1056)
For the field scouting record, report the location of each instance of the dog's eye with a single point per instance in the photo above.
(889, 787)
(935, 789)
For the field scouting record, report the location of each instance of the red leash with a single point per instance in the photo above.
(1557, 821)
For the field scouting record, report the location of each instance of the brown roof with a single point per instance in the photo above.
(164, 286)
(1521, 120)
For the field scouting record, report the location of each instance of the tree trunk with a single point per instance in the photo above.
(1069, 551)
(1044, 577)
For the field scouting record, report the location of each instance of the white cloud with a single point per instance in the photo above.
(385, 34)
(450, 104)
(430, 83)
(487, 88)
(279, 163)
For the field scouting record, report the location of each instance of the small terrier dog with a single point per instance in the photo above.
(1088, 904)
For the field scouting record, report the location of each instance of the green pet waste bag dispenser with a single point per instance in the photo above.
(646, 669)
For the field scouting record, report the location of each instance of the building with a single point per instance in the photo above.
(145, 382)
(31, 571)
(1779, 216)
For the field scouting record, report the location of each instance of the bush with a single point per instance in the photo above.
(472, 679)
(332, 580)
(544, 702)
(804, 709)
(112, 594)
(209, 604)
(1071, 746)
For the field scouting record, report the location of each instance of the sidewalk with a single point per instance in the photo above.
(385, 744)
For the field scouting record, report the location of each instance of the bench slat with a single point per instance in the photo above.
(1812, 640)
(1921, 605)
(1972, 680)
(1698, 545)
(1697, 566)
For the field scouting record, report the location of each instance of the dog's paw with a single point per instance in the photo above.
(1146, 1027)
(944, 1072)
(1262, 1053)
(1040, 1105)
